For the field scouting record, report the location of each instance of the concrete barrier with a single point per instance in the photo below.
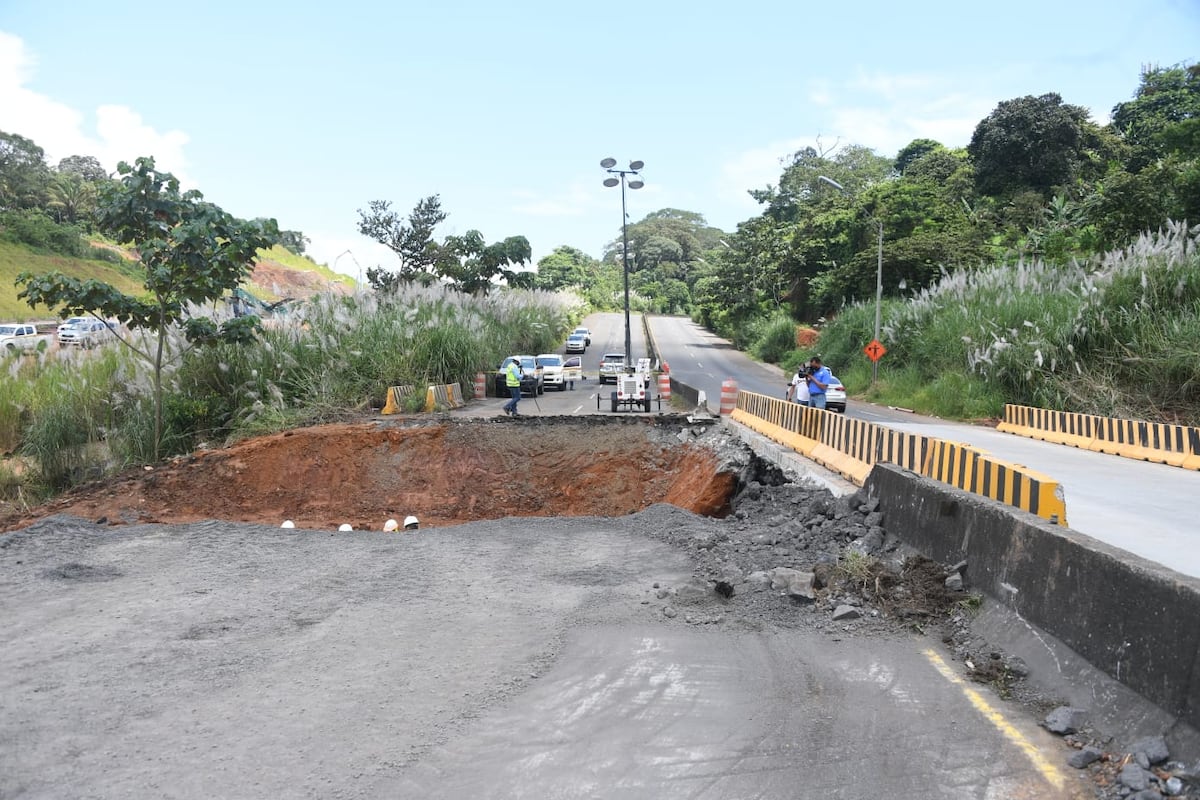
(1131, 618)
(851, 447)
(1013, 484)
(442, 397)
(1163, 443)
(1062, 427)
(395, 398)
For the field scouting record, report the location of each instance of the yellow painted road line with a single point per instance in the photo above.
(1048, 770)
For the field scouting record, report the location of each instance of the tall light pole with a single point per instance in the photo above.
(636, 183)
(878, 272)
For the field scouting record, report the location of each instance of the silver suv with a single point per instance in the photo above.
(89, 333)
(611, 367)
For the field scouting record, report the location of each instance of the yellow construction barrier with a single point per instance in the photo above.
(851, 447)
(1163, 443)
(1013, 484)
(443, 397)
(395, 397)
(1062, 427)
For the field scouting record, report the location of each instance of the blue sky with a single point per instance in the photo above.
(306, 112)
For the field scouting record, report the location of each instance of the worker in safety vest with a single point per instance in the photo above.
(512, 379)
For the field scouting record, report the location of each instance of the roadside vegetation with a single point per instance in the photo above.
(74, 415)
(1117, 335)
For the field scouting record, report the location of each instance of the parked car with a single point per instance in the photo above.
(70, 323)
(585, 333)
(576, 343)
(835, 396)
(89, 333)
(611, 367)
(552, 371)
(532, 381)
(22, 336)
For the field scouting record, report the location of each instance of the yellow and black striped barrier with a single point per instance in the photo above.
(852, 447)
(1012, 484)
(1163, 443)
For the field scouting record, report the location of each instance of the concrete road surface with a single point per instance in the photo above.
(520, 658)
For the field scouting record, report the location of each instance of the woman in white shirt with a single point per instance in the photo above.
(798, 390)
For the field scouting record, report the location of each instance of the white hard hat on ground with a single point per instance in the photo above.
(391, 525)
(287, 523)
(345, 526)
(410, 521)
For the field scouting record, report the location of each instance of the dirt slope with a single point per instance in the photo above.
(444, 472)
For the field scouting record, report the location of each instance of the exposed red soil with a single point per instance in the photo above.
(444, 473)
(281, 281)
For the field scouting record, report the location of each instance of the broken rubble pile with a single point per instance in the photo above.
(792, 554)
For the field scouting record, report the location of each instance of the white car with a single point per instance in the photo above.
(89, 333)
(552, 371)
(611, 367)
(67, 324)
(835, 396)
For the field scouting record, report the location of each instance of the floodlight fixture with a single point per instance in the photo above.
(621, 176)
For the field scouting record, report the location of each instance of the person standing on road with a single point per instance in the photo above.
(819, 378)
(798, 388)
(512, 379)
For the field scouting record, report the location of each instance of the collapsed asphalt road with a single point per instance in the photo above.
(658, 654)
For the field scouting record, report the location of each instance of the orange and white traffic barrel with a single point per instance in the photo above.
(480, 385)
(729, 392)
(664, 386)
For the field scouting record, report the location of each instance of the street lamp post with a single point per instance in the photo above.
(878, 272)
(634, 168)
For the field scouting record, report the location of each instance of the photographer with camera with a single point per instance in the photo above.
(798, 389)
(819, 377)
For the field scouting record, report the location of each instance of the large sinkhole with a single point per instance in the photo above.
(444, 471)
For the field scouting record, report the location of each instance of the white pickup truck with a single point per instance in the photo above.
(22, 336)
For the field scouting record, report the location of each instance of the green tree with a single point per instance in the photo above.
(1165, 98)
(86, 167)
(1031, 143)
(470, 264)
(24, 176)
(192, 252)
(71, 196)
(294, 241)
(914, 151)
(413, 243)
(564, 267)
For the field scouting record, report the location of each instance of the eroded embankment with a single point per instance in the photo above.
(444, 472)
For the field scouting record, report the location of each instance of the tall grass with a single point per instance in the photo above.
(327, 358)
(1115, 335)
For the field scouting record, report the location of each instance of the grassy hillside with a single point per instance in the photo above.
(278, 274)
(17, 258)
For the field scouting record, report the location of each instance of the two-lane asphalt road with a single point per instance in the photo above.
(1140, 507)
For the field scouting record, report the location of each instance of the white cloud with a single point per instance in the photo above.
(120, 133)
(351, 256)
(575, 201)
(755, 169)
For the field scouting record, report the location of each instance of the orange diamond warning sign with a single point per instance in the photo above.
(875, 350)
